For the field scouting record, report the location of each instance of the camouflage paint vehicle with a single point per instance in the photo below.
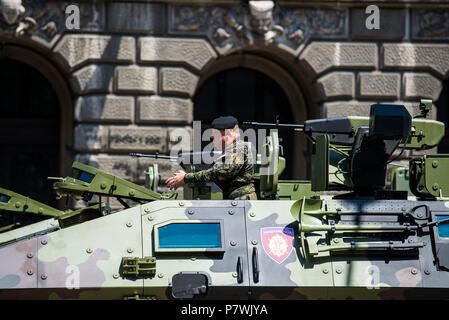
(296, 242)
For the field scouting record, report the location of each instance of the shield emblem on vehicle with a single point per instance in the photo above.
(277, 242)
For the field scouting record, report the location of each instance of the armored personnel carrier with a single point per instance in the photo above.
(341, 235)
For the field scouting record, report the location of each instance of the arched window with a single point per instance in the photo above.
(29, 131)
(248, 95)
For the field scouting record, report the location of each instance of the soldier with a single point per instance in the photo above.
(233, 172)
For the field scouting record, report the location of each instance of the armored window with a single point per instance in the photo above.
(441, 234)
(443, 229)
(83, 176)
(184, 235)
(4, 198)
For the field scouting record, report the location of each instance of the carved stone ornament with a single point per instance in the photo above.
(15, 16)
(261, 15)
(11, 10)
(260, 22)
(431, 24)
(45, 20)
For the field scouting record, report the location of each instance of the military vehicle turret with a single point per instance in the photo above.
(343, 234)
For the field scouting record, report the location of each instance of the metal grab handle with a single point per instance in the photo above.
(255, 265)
(436, 223)
(239, 270)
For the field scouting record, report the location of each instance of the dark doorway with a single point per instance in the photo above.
(248, 95)
(442, 105)
(29, 132)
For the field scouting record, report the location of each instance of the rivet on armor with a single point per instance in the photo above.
(160, 275)
(435, 163)
(103, 186)
(339, 271)
(89, 250)
(254, 242)
(252, 214)
(146, 210)
(325, 270)
(40, 211)
(30, 272)
(29, 255)
(234, 203)
(18, 204)
(435, 186)
(233, 243)
(129, 224)
(414, 271)
(44, 277)
(191, 211)
(193, 259)
(116, 276)
(181, 203)
(427, 271)
(336, 240)
(231, 212)
(150, 218)
(131, 193)
(234, 274)
(44, 242)
(130, 250)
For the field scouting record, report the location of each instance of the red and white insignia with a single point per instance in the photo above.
(277, 242)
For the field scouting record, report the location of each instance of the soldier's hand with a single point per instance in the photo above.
(177, 180)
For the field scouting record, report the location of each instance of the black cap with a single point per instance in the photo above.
(227, 122)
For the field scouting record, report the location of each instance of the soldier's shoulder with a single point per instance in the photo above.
(240, 144)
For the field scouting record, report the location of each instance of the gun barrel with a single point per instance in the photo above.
(265, 125)
(153, 156)
(55, 178)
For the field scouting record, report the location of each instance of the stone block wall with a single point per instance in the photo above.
(132, 89)
(388, 76)
(134, 66)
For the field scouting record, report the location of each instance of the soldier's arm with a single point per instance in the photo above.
(220, 171)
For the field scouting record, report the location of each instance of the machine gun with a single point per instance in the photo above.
(352, 153)
(189, 161)
(267, 171)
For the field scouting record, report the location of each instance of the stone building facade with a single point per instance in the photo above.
(127, 76)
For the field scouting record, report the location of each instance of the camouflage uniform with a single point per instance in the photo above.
(234, 175)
